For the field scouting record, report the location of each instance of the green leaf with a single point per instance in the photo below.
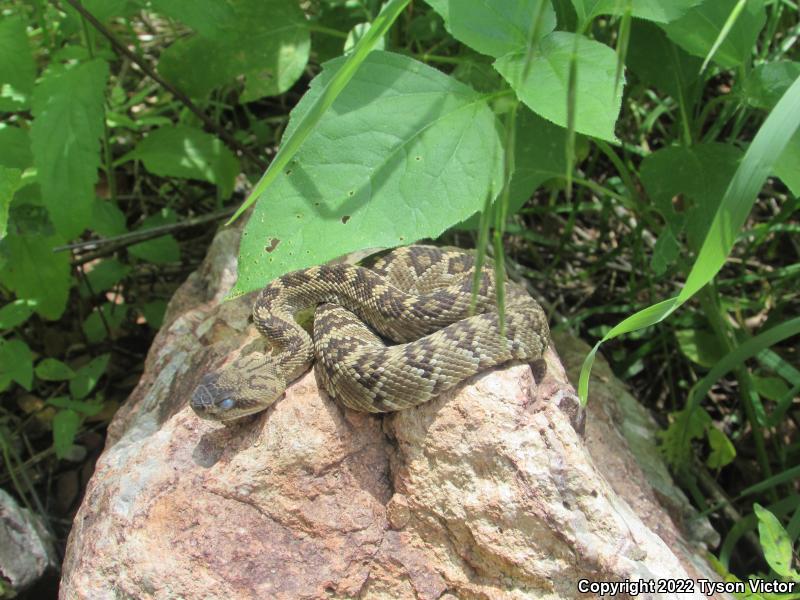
(95, 326)
(787, 167)
(15, 147)
(496, 28)
(183, 151)
(771, 388)
(766, 83)
(342, 18)
(107, 219)
(154, 313)
(652, 10)
(324, 100)
(758, 161)
(722, 450)
(403, 153)
(737, 356)
(687, 184)
(700, 346)
(539, 156)
(159, 251)
(665, 252)
(16, 363)
(10, 181)
(162, 249)
(87, 376)
(355, 35)
(65, 139)
(775, 541)
(65, 427)
(52, 369)
(15, 313)
(266, 41)
(34, 272)
(544, 89)
(17, 69)
(211, 18)
(762, 88)
(686, 425)
(659, 62)
(103, 276)
(85, 408)
(698, 30)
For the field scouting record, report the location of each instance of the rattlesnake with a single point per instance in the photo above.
(417, 296)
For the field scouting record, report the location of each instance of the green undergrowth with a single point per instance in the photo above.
(638, 162)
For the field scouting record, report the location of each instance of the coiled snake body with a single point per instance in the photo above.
(417, 296)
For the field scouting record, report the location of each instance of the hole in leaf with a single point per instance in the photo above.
(273, 243)
(345, 219)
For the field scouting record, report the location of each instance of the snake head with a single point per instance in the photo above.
(248, 385)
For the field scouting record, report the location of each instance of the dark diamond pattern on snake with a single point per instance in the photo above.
(389, 334)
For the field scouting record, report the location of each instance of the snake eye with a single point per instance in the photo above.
(226, 404)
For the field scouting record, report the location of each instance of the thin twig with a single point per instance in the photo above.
(106, 246)
(165, 84)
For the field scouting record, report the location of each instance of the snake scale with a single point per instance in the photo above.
(416, 297)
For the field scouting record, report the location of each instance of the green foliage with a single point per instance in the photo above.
(545, 88)
(698, 30)
(52, 369)
(775, 542)
(10, 180)
(426, 147)
(16, 364)
(17, 76)
(497, 28)
(265, 41)
(190, 153)
(65, 140)
(722, 450)
(65, 426)
(652, 10)
(48, 284)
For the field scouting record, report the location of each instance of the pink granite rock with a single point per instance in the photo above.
(488, 492)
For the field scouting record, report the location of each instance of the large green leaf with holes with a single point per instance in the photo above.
(403, 153)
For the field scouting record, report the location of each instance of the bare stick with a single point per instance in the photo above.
(105, 246)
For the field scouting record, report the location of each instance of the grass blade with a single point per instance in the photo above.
(723, 33)
(758, 161)
(736, 357)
